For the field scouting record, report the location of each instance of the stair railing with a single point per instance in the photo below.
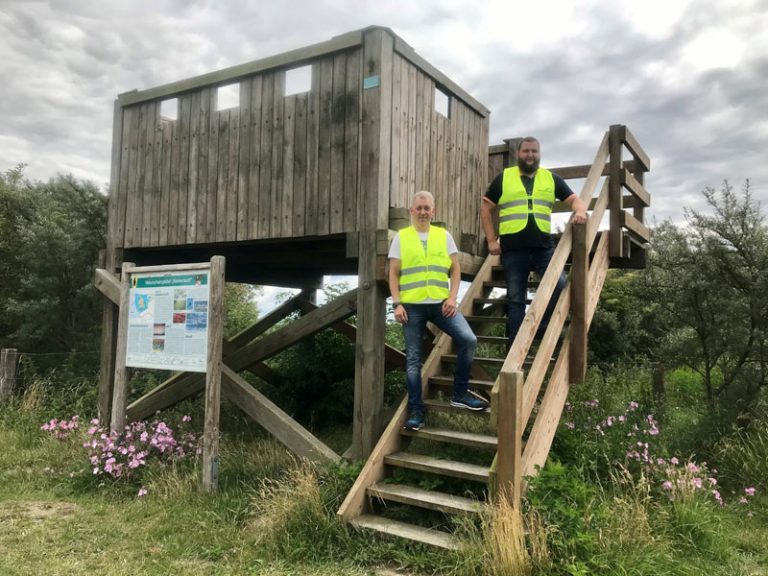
(515, 394)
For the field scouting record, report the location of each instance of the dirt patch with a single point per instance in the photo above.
(37, 510)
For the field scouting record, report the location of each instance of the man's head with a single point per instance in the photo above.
(528, 155)
(422, 208)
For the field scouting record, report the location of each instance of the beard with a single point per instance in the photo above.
(527, 168)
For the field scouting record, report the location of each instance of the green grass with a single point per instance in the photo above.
(275, 515)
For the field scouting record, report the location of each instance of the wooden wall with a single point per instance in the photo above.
(276, 166)
(281, 166)
(446, 155)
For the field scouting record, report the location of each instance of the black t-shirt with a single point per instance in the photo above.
(530, 236)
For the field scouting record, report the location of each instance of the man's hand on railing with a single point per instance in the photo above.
(494, 247)
(580, 217)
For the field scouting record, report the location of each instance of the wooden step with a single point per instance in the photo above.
(501, 301)
(454, 437)
(437, 466)
(444, 382)
(445, 406)
(432, 500)
(500, 340)
(451, 359)
(408, 531)
(486, 319)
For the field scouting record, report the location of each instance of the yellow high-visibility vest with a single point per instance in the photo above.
(424, 274)
(515, 205)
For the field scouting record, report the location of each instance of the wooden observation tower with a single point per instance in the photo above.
(291, 183)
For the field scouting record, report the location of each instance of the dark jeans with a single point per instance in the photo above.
(463, 338)
(517, 265)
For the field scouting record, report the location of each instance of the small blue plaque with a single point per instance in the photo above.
(370, 82)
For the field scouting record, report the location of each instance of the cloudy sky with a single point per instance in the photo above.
(689, 77)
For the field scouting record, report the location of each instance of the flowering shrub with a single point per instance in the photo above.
(629, 441)
(120, 455)
(61, 429)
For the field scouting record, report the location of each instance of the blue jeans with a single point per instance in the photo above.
(517, 264)
(463, 338)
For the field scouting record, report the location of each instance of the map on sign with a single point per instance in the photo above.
(168, 320)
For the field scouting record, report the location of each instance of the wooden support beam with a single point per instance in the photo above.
(510, 433)
(9, 358)
(108, 284)
(213, 375)
(279, 424)
(636, 188)
(120, 392)
(637, 228)
(579, 291)
(637, 151)
(341, 308)
(616, 137)
(394, 359)
(373, 199)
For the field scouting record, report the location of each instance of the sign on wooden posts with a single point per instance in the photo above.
(172, 318)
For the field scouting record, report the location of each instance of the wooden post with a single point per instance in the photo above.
(510, 431)
(615, 147)
(9, 358)
(579, 292)
(109, 309)
(213, 375)
(120, 392)
(373, 215)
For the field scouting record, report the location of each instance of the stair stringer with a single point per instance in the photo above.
(391, 440)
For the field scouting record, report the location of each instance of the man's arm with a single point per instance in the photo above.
(487, 208)
(394, 288)
(578, 208)
(449, 305)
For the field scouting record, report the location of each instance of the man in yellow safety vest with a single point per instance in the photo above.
(524, 195)
(424, 279)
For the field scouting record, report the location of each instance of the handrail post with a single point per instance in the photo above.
(579, 297)
(615, 142)
(510, 433)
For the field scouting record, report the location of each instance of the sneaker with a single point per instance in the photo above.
(415, 420)
(469, 402)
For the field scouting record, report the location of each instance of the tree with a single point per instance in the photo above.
(709, 280)
(240, 307)
(50, 236)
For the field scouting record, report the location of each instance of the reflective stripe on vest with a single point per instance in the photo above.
(515, 205)
(424, 274)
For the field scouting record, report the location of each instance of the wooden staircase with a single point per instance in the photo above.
(414, 480)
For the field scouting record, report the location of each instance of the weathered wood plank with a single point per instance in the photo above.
(313, 144)
(287, 196)
(579, 302)
(222, 176)
(636, 188)
(120, 390)
(243, 169)
(153, 117)
(9, 361)
(157, 181)
(284, 428)
(615, 148)
(276, 185)
(412, 130)
(300, 151)
(213, 375)
(183, 128)
(174, 184)
(637, 151)
(637, 228)
(127, 174)
(510, 432)
(165, 189)
(193, 197)
(395, 192)
(255, 157)
(324, 150)
(354, 80)
(338, 117)
(233, 176)
(108, 284)
(207, 113)
(265, 171)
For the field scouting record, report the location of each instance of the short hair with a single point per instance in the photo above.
(423, 194)
(527, 139)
